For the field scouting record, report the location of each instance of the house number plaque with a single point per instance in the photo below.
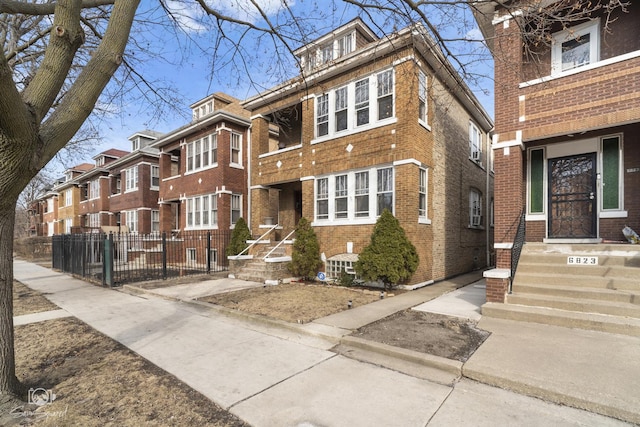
(582, 260)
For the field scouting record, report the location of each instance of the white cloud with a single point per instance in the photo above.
(189, 15)
(474, 35)
(244, 10)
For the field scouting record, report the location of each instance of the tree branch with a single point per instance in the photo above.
(35, 9)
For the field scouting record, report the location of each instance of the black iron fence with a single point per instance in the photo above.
(117, 258)
(516, 249)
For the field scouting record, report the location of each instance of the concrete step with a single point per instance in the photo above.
(598, 294)
(609, 270)
(622, 309)
(569, 319)
(554, 278)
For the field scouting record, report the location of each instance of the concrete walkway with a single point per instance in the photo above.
(285, 375)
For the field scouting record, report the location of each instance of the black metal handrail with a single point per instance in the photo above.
(516, 249)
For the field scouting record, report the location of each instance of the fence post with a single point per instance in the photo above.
(107, 265)
(208, 252)
(164, 255)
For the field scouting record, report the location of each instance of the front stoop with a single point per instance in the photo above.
(603, 297)
(274, 269)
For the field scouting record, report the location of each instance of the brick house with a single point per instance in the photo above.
(134, 186)
(203, 168)
(68, 213)
(567, 137)
(374, 123)
(95, 193)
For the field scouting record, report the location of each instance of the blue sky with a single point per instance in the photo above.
(184, 63)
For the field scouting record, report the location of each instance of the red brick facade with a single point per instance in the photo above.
(564, 112)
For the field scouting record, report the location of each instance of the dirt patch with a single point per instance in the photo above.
(99, 382)
(445, 336)
(295, 302)
(28, 301)
(181, 280)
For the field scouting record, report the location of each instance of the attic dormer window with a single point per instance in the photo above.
(100, 161)
(203, 110)
(135, 144)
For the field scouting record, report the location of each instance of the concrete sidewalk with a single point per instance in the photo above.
(283, 375)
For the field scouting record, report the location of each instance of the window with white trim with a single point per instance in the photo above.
(155, 221)
(192, 255)
(385, 95)
(131, 175)
(322, 127)
(155, 177)
(202, 212)
(68, 223)
(341, 109)
(92, 220)
(422, 97)
(213, 258)
(341, 194)
(575, 47)
(236, 207)
(202, 153)
(612, 173)
(135, 144)
(353, 196)
(345, 45)
(475, 143)
(236, 149)
(475, 208)
(131, 220)
(352, 107)
(362, 102)
(68, 197)
(422, 193)
(94, 189)
(50, 204)
(322, 198)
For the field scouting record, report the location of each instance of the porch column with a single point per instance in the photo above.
(509, 185)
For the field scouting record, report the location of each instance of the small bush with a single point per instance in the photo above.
(345, 279)
(239, 238)
(305, 259)
(390, 257)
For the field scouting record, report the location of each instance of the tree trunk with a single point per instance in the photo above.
(9, 384)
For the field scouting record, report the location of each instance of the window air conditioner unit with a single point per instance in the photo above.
(475, 155)
(476, 220)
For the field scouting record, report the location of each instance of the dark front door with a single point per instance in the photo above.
(572, 197)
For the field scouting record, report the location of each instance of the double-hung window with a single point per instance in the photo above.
(236, 208)
(422, 194)
(205, 151)
(68, 197)
(385, 190)
(575, 47)
(236, 149)
(341, 193)
(322, 198)
(214, 210)
(341, 109)
(385, 95)
(155, 177)
(155, 221)
(323, 115)
(362, 102)
(131, 174)
(94, 189)
(362, 194)
(422, 97)
(475, 208)
(345, 45)
(131, 220)
(475, 143)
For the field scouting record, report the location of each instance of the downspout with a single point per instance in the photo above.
(488, 189)
(249, 175)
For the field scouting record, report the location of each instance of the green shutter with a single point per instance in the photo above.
(536, 173)
(610, 173)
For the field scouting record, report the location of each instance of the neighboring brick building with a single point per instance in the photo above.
(203, 168)
(95, 193)
(134, 186)
(372, 124)
(68, 212)
(567, 135)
